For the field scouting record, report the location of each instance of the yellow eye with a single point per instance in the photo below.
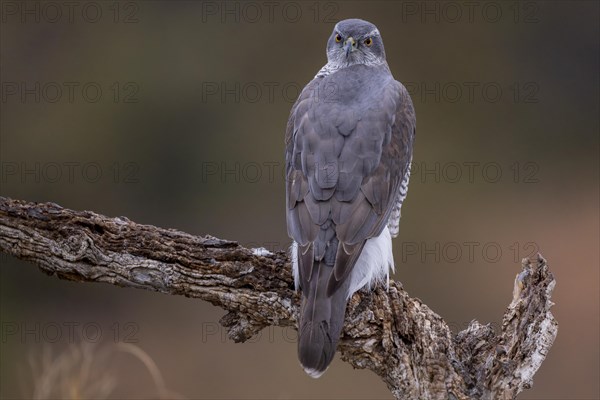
(338, 38)
(368, 42)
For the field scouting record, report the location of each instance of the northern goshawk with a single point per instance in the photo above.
(349, 146)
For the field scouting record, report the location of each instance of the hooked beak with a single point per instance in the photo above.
(349, 46)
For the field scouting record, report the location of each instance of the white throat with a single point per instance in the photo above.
(333, 66)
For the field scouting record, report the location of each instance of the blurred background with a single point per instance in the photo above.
(173, 113)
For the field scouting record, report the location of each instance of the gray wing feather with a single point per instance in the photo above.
(345, 164)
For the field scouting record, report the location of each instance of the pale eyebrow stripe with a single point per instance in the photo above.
(336, 28)
(374, 32)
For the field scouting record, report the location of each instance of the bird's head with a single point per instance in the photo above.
(354, 41)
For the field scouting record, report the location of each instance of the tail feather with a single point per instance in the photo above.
(321, 321)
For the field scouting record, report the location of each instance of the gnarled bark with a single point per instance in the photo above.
(398, 337)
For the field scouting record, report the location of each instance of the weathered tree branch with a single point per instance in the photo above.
(398, 337)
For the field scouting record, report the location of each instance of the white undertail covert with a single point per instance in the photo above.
(372, 268)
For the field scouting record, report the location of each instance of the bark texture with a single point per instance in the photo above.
(398, 337)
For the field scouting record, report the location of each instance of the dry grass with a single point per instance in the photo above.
(86, 371)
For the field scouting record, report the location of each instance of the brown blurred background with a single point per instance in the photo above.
(173, 114)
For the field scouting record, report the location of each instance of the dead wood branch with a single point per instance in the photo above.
(398, 337)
